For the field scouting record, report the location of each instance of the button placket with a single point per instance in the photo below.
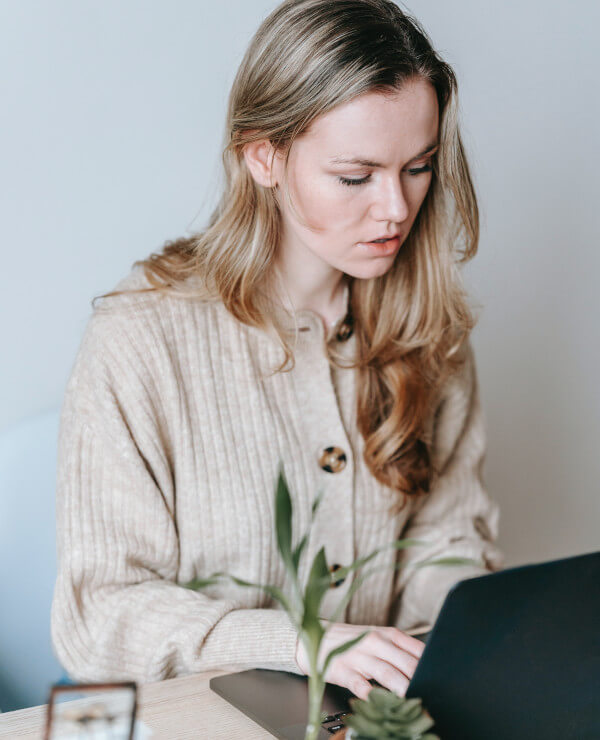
(336, 521)
(337, 591)
(332, 455)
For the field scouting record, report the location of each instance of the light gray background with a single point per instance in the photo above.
(112, 116)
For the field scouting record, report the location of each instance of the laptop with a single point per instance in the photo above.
(513, 655)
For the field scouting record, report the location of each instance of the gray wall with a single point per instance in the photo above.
(111, 126)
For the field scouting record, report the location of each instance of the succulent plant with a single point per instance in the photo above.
(386, 716)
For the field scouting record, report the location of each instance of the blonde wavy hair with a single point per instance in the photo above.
(306, 58)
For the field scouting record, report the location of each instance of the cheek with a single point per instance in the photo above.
(418, 192)
(325, 203)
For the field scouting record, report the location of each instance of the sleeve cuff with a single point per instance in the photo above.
(423, 598)
(252, 638)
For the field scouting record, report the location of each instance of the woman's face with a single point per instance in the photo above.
(361, 172)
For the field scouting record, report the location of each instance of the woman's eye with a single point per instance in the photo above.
(418, 170)
(362, 180)
(353, 181)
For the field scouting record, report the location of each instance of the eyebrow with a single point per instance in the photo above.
(370, 163)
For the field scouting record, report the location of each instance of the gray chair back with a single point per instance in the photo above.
(28, 666)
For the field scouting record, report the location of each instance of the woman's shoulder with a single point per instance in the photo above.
(136, 303)
(135, 324)
(136, 294)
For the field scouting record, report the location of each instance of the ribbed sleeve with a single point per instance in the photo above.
(118, 611)
(457, 518)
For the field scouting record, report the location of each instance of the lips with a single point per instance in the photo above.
(382, 249)
(384, 237)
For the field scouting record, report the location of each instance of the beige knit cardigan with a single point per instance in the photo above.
(171, 435)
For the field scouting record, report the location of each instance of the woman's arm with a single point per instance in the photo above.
(118, 612)
(457, 518)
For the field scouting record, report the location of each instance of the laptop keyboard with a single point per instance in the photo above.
(335, 718)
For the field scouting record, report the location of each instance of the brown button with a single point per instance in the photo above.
(346, 330)
(332, 569)
(333, 459)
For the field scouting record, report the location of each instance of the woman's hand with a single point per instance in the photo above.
(386, 654)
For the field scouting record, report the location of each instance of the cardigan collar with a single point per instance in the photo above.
(308, 320)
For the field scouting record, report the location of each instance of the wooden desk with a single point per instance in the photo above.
(176, 709)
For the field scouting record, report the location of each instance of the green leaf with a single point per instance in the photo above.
(421, 723)
(342, 649)
(366, 709)
(356, 584)
(363, 725)
(283, 523)
(381, 698)
(398, 544)
(298, 552)
(316, 503)
(197, 583)
(274, 591)
(384, 714)
(449, 561)
(396, 566)
(316, 587)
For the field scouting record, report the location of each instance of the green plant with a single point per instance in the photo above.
(387, 716)
(303, 606)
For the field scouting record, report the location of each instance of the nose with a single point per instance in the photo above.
(390, 203)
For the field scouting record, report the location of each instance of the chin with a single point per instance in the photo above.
(372, 269)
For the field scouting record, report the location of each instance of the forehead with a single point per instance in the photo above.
(406, 120)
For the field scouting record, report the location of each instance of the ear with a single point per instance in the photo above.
(260, 160)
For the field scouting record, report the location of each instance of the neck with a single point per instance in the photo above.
(314, 285)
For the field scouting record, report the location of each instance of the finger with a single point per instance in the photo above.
(386, 674)
(406, 642)
(357, 683)
(383, 648)
(400, 659)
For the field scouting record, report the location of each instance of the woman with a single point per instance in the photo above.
(319, 320)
